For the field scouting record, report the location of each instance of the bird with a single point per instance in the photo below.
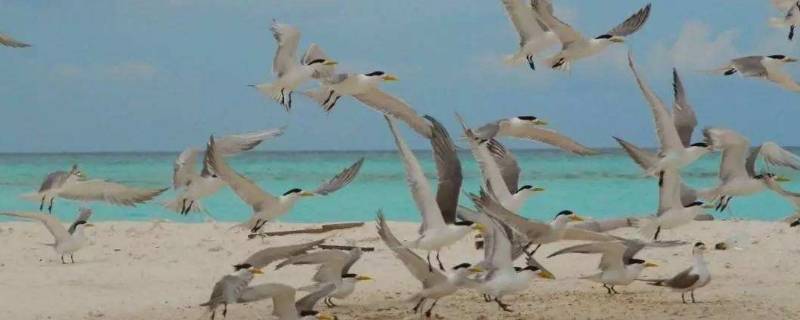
(737, 172)
(439, 227)
(435, 284)
(575, 46)
(67, 241)
(8, 41)
(229, 288)
(265, 206)
(534, 36)
(674, 154)
(365, 89)
(672, 212)
(762, 67)
(618, 266)
(691, 279)
(284, 306)
(531, 128)
(290, 75)
(334, 268)
(194, 186)
(791, 18)
(503, 278)
(264, 257)
(74, 185)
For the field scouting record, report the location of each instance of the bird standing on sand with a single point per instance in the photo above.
(283, 305)
(691, 279)
(334, 268)
(67, 241)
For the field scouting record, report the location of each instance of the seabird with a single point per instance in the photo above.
(67, 241)
(267, 256)
(435, 284)
(334, 268)
(691, 279)
(791, 18)
(194, 186)
(73, 185)
(574, 46)
(284, 306)
(672, 212)
(229, 289)
(8, 41)
(534, 36)
(531, 128)
(314, 65)
(762, 67)
(439, 227)
(737, 172)
(265, 206)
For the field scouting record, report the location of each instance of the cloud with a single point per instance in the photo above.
(697, 48)
(123, 71)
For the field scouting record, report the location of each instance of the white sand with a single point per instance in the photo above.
(135, 272)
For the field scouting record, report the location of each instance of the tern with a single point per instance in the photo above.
(8, 41)
(672, 212)
(229, 289)
(73, 185)
(435, 284)
(762, 67)
(439, 227)
(264, 257)
(284, 307)
(67, 241)
(737, 172)
(574, 46)
(196, 186)
(314, 65)
(534, 36)
(334, 268)
(534, 129)
(265, 206)
(691, 279)
(791, 18)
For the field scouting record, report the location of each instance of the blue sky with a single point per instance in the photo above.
(163, 75)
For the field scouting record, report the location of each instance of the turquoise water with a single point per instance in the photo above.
(601, 186)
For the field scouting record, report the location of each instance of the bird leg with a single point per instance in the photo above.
(225, 310)
(50, 208)
(502, 305)
(658, 231)
(333, 103)
(441, 266)
(189, 208)
(791, 32)
(607, 288)
(419, 304)
(661, 178)
(430, 267)
(183, 206)
(558, 63)
(71, 258)
(693, 296)
(41, 204)
(682, 297)
(428, 313)
(530, 62)
(325, 104)
(614, 290)
(534, 250)
(213, 314)
(62, 260)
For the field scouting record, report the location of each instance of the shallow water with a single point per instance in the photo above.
(601, 186)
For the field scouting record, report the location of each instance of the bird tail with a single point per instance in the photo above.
(176, 205)
(655, 282)
(275, 93)
(647, 227)
(32, 196)
(324, 97)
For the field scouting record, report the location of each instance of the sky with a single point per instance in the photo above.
(163, 75)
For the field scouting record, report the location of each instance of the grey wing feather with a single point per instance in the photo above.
(83, 216)
(395, 107)
(414, 263)
(750, 165)
(682, 280)
(287, 38)
(605, 225)
(775, 155)
(448, 168)
(682, 112)
(633, 23)
(750, 66)
(11, 42)
(54, 180)
(50, 222)
(341, 179)
(307, 302)
(183, 168)
(267, 256)
(537, 5)
(355, 255)
(107, 191)
(237, 143)
(509, 167)
(247, 190)
(643, 158)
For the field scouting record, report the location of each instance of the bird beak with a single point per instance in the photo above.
(330, 63)
(475, 270)
(650, 265)
(88, 225)
(363, 278)
(546, 275)
(325, 316)
(390, 77)
(791, 59)
(538, 189)
(782, 179)
(575, 217)
(307, 194)
(617, 39)
(540, 122)
(256, 271)
(479, 227)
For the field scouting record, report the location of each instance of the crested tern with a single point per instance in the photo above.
(672, 212)
(334, 268)
(284, 306)
(8, 41)
(791, 18)
(531, 128)
(534, 36)
(691, 279)
(67, 241)
(229, 288)
(762, 67)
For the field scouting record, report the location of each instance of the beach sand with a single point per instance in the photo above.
(139, 270)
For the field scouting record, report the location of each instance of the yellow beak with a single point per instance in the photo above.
(307, 194)
(617, 39)
(575, 217)
(330, 63)
(546, 275)
(325, 316)
(363, 278)
(782, 179)
(479, 227)
(650, 265)
(390, 77)
(540, 122)
(256, 271)
(538, 189)
(475, 270)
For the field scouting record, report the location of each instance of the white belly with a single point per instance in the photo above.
(435, 239)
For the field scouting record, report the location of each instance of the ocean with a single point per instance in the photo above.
(603, 186)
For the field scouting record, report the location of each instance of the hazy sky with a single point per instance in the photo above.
(162, 75)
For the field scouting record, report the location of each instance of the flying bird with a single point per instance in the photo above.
(534, 36)
(531, 128)
(762, 67)
(229, 289)
(67, 241)
(691, 279)
(8, 41)
(791, 18)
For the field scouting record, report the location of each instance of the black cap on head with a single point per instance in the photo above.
(795, 223)
(464, 223)
(242, 266)
(700, 144)
(603, 36)
(527, 118)
(527, 186)
(462, 266)
(305, 313)
(635, 261)
(349, 275)
(294, 190)
(316, 61)
(531, 268)
(375, 73)
(564, 213)
(699, 243)
(694, 204)
(778, 56)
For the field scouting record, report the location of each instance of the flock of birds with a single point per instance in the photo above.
(505, 236)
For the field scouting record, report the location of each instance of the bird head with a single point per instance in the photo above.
(296, 193)
(528, 190)
(610, 38)
(381, 75)
(782, 58)
(568, 215)
(699, 248)
(537, 271)
(531, 120)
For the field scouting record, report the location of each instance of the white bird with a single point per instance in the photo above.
(8, 41)
(229, 289)
(284, 306)
(533, 129)
(435, 284)
(737, 172)
(534, 36)
(575, 46)
(672, 212)
(290, 74)
(791, 18)
(673, 155)
(503, 278)
(439, 227)
(194, 186)
(73, 185)
(762, 67)
(691, 279)
(265, 206)
(264, 257)
(618, 267)
(67, 241)
(365, 89)
(334, 268)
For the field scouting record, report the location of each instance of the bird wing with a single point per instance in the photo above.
(734, 152)
(355, 255)
(54, 180)
(524, 20)
(417, 266)
(388, 104)
(341, 179)
(669, 193)
(281, 294)
(493, 177)
(420, 189)
(236, 143)
(83, 216)
(682, 112)
(8, 41)
(448, 169)
(537, 5)
(605, 225)
(247, 190)
(632, 24)
(643, 158)
(665, 127)
(750, 66)
(683, 280)
(546, 135)
(612, 252)
(775, 155)
(498, 251)
(287, 37)
(183, 169)
(566, 34)
(265, 257)
(314, 52)
(583, 234)
(111, 192)
(783, 5)
(509, 167)
(331, 263)
(307, 302)
(50, 222)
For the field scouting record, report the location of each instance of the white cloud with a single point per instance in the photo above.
(696, 48)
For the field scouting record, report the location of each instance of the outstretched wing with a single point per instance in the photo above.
(632, 24)
(50, 222)
(265, 257)
(682, 112)
(388, 104)
(248, 191)
(8, 41)
(111, 192)
(340, 180)
(414, 263)
(287, 37)
(448, 168)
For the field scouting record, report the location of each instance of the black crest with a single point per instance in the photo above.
(462, 266)
(527, 118)
(349, 275)
(466, 223)
(700, 144)
(316, 61)
(698, 244)
(635, 261)
(564, 213)
(242, 266)
(527, 186)
(375, 73)
(295, 190)
(603, 36)
(306, 313)
(531, 268)
(694, 204)
(778, 56)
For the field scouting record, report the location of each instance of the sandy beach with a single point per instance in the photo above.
(139, 270)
